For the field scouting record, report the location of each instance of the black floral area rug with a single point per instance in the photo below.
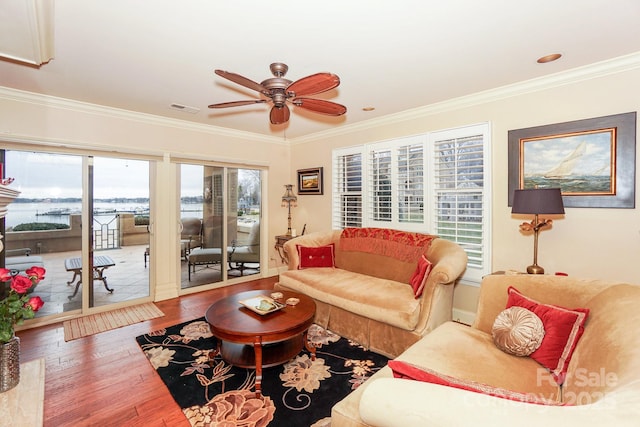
(299, 393)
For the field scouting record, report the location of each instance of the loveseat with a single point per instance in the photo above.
(601, 385)
(360, 280)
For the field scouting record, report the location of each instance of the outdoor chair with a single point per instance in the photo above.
(190, 236)
(238, 255)
(203, 256)
(24, 262)
(246, 254)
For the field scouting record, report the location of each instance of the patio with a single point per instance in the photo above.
(128, 278)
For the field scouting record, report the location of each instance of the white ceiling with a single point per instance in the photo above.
(144, 55)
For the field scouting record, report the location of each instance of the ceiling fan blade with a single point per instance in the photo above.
(320, 106)
(313, 84)
(237, 103)
(241, 80)
(279, 115)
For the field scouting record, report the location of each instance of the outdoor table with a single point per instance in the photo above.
(100, 264)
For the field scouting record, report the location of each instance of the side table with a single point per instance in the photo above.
(280, 241)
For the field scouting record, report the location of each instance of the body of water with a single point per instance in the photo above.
(104, 212)
(575, 185)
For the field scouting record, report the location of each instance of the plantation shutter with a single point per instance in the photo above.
(380, 207)
(459, 184)
(433, 183)
(410, 183)
(347, 189)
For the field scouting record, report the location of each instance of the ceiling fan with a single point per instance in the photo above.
(279, 90)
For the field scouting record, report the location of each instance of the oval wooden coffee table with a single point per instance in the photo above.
(251, 340)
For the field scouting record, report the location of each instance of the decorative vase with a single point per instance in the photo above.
(10, 364)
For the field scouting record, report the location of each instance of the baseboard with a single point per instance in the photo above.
(463, 316)
(276, 271)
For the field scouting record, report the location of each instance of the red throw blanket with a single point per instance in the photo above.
(396, 244)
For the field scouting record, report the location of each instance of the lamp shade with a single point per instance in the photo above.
(537, 201)
(289, 199)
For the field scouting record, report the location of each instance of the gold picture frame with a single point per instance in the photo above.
(592, 161)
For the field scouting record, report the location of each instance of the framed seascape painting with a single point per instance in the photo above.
(310, 181)
(592, 161)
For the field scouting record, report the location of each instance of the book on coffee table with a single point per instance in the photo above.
(262, 304)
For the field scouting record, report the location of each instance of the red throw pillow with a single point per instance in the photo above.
(563, 328)
(419, 277)
(412, 372)
(316, 256)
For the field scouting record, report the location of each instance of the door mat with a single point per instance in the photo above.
(100, 322)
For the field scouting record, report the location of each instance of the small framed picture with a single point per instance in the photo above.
(310, 181)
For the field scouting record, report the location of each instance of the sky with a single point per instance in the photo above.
(545, 154)
(43, 175)
(39, 175)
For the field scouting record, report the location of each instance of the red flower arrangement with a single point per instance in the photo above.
(18, 305)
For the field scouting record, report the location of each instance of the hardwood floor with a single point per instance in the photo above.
(105, 379)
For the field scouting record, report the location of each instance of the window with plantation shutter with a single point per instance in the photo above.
(435, 183)
(410, 183)
(460, 212)
(379, 186)
(347, 189)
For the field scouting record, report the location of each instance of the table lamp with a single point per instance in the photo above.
(289, 199)
(537, 201)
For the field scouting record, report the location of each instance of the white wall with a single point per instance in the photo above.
(591, 243)
(27, 120)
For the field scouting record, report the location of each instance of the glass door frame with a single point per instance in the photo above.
(226, 279)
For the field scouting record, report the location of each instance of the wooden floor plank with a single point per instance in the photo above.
(105, 379)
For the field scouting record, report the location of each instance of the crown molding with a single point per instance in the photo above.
(589, 72)
(134, 116)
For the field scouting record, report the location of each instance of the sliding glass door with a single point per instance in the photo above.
(60, 193)
(245, 201)
(119, 239)
(43, 226)
(220, 223)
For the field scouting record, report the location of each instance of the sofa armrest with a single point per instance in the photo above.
(393, 402)
(319, 238)
(545, 288)
(449, 261)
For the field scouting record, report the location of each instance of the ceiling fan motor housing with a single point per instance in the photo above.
(279, 69)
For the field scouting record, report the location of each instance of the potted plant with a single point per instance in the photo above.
(16, 306)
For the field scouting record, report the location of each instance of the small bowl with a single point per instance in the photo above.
(276, 295)
(292, 301)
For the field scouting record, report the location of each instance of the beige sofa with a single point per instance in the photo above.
(367, 297)
(602, 385)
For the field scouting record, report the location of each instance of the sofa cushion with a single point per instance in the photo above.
(563, 328)
(384, 300)
(413, 372)
(383, 253)
(401, 245)
(517, 331)
(316, 256)
(419, 277)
